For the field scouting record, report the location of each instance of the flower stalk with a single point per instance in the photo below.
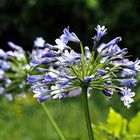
(86, 112)
(55, 126)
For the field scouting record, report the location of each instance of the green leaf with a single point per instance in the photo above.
(134, 127)
(114, 128)
(116, 124)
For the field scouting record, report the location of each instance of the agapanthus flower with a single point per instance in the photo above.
(101, 71)
(3, 54)
(62, 72)
(130, 82)
(13, 69)
(126, 96)
(133, 65)
(67, 36)
(39, 42)
(101, 31)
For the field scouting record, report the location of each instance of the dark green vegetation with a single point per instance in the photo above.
(21, 21)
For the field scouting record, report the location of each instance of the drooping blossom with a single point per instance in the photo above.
(13, 69)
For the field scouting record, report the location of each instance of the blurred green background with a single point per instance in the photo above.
(21, 21)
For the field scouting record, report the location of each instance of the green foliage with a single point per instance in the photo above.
(21, 21)
(24, 119)
(92, 3)
(117, 127)
(133, 125)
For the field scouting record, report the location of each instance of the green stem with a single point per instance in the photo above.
(86, 111)
(52, 121)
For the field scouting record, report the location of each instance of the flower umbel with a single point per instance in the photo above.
(60, 70)
(13, 69)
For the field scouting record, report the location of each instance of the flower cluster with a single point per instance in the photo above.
(60, 70)
(13, 71)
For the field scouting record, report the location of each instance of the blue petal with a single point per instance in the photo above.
(107, 92)
(67, 36)
(15, 47)
(101, 71)
(128, 82)
(51, 54)
(114, 41)
(39, 42)
(34, 78)
(44, 98)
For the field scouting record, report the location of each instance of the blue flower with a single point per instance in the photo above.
(2, 90)
(3, 54)
(74, 92)
(50, 77)
(62, 71)
(13, 69)
(107, 92)
(68, 58)
(39, 42)
(60, 96)
(51, 54)
(101, 71)
(34, 78)
(37, 58)
(126, 96)
(101, 31)
(87, 80)
(64, 81)
(40, 90)
(15, 47)
(87, 53)
(4, 65)
(128, 72)
(114, 41)
(67, 36)
(108, 83)
(51, 47)
(128, 82)
(44, 98)
(61, 44)
(114, 49)
(134, 65)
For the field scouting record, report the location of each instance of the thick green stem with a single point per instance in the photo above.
(52, 121)
(86, 111)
